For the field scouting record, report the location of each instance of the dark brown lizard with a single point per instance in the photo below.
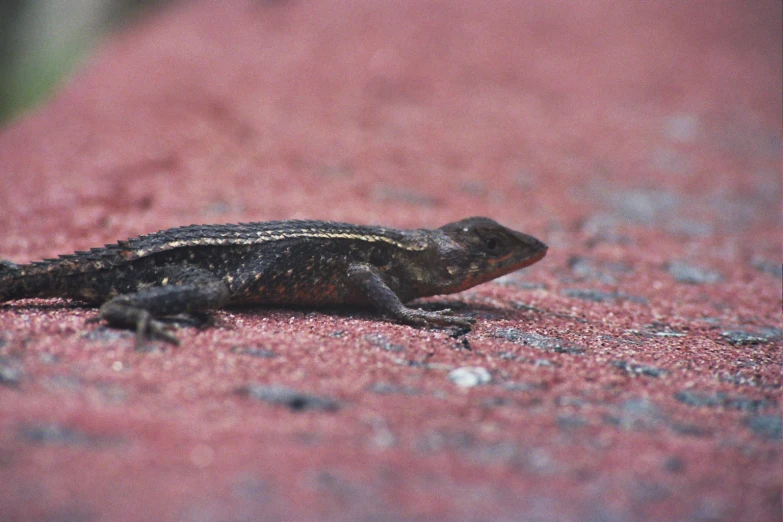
(198, 268)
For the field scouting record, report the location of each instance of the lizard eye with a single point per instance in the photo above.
(492, 244)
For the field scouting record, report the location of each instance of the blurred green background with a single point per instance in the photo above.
(42, 41)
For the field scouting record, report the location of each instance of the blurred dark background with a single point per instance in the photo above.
(42, 41)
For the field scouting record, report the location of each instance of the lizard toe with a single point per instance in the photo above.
(162, 331)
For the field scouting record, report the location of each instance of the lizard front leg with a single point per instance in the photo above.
(369, 282)
(181, 290)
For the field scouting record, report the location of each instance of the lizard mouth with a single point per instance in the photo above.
(534, 258)
(499, 268)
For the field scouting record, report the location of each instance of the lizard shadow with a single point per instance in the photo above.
(47, 305)
(483, 311)
(191, 319)
(202, 320)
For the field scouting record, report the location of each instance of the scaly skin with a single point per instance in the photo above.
(313, 263)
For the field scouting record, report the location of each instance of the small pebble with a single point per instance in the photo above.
(469, 376)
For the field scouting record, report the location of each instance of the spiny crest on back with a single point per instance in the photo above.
(125, 251)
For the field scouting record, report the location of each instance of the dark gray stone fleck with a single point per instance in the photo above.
(690, 429)
(498, 452)
(494, 402)
(463, 344)
(511, 356)
(698, 399)
(739, 379)
(641, 407)
(10, 375)
(385, 388)
(586, 268)
(254, 352)
(759, 336)
(571, 401)
(599, 296)
(638, 369)
(524, 386)
(416, 364)
(440, 440)
(656, 329)
(48, 358)
(686, 273)
(602, 228)
(709, 399)
(645, 207)
(645, 491)
(53, 433)
(348, 493)
(689, 227)
(768, 426)
(541, 342)
(382, 342)
(474, 188)
(252, 489)
(59, 383)
(638, 414)
(620, 340)
(293, 399)
(570, 422)
(774, 268)
(112, 392)
(749, 404)
(674, 465)
(512, 280)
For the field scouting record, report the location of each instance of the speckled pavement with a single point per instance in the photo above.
(633, 374)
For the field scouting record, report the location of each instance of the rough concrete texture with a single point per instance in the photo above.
(634, 374)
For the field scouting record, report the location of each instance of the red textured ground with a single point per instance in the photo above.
(635, 372)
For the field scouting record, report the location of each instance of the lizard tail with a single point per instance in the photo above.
(12, 284)
(7, 267)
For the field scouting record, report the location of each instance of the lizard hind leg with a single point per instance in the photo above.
(185, 290)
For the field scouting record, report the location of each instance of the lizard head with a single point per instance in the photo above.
(480, 250)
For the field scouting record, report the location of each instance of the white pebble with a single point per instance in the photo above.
(469, 376)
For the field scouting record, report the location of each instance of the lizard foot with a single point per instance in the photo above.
(146, 328)
(149, 328)
(120, 314)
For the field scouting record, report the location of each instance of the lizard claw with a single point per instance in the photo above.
(147, 328)
(127, 316)
(164, 332)
(456, 320)
(448, 316)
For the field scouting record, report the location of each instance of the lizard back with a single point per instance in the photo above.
(59, 277)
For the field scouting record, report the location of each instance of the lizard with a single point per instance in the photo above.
(139, 282)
